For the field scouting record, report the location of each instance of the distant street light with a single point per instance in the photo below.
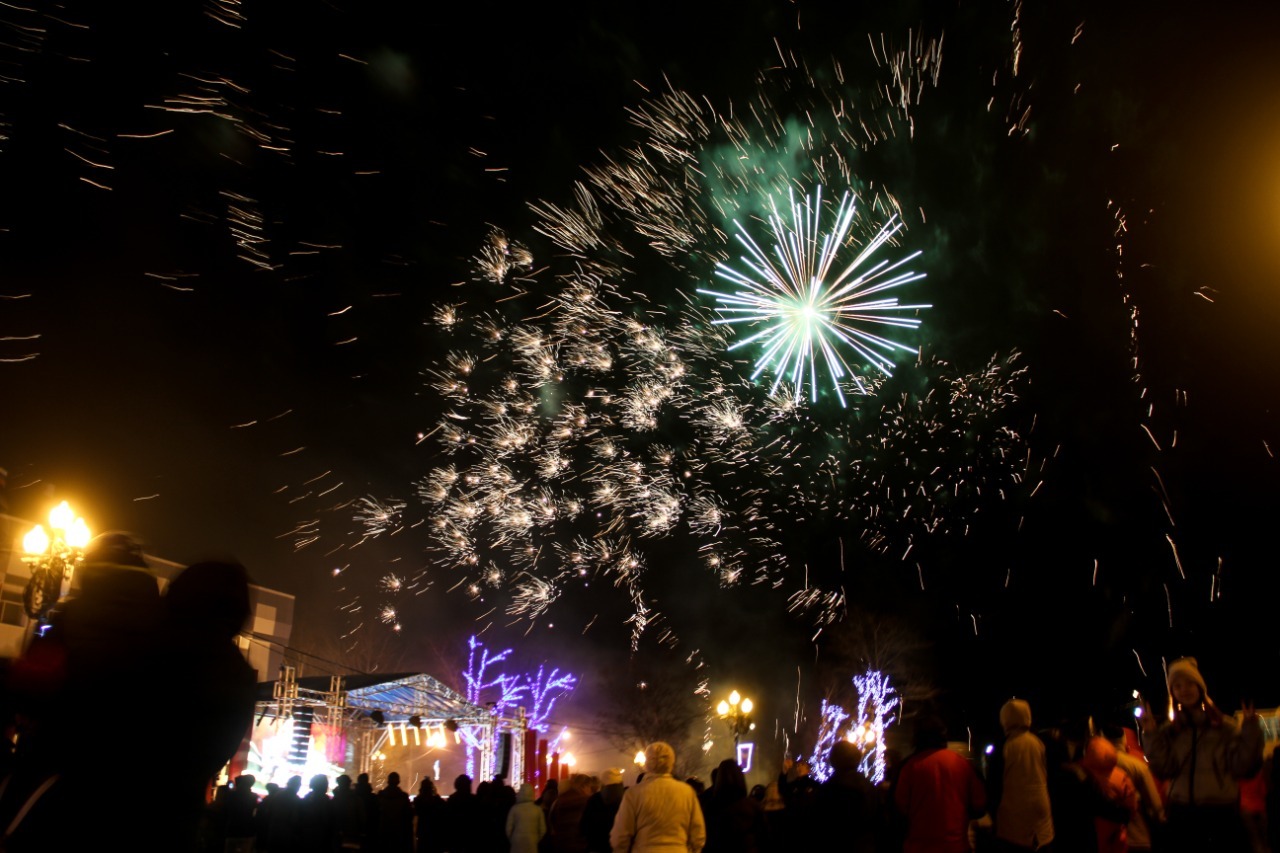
(53, 559)
(736, 712)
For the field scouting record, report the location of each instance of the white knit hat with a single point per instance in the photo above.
(1190, 670)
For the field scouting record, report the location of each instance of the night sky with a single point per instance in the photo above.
(223, 226)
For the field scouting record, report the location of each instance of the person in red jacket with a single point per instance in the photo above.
(938, 792)
(1101, 762)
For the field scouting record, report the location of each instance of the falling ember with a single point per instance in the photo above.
(1176, 559)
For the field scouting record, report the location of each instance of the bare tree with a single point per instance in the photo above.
(330, 654)
(866, 640)
(657, 696)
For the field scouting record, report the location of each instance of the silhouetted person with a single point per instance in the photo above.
(602, 808)
(204, 608)
(565, 824)
(317, 821)
(1272, 771)
(395, 818)
(102, 641)
(463, 815)
(798, 789)
(846, 807)
(1079, 799)
(211, 835)
(429, 807)
(550, 791)
(242, 816)
(369, 801)
(348, 812)
(496, 801)
(281, 809)
(735, 820)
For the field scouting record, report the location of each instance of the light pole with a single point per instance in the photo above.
(53, 558)
(736, 712)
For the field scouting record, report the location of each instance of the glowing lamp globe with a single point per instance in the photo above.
(61, 516)
(36, 541)
(78, 534)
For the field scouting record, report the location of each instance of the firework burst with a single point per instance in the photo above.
(602, 438)
(589, 420)
(811, 313)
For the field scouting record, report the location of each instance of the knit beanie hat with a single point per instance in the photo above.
(1190, 670)
(1016, 713)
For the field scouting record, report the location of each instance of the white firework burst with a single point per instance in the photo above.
(811, 313)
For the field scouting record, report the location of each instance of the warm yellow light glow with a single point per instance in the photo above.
(78, 534)
(36, 541)
(391, 734)
(722, 708)
(639, 759)
(747, 706)
(734, 698)
(568, 760)
(61, 516)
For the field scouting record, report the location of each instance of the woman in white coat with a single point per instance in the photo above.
(526, 824)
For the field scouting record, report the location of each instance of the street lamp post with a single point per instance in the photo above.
(736, 712)
(53, 559)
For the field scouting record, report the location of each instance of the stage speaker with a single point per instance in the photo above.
(504, 757)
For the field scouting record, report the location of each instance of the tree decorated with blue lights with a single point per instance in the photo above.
(876, 703)
(540, 690)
